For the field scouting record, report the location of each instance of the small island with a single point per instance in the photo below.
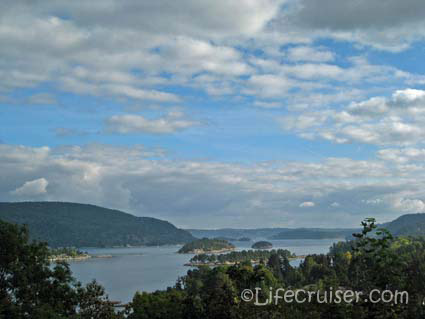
(235, 257)
(244, 239)
(205, 245)
(64, 254)
(262, 245)
(71, 254)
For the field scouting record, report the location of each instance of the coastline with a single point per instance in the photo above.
(202, 251)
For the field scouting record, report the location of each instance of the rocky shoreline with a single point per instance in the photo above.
(77, 258)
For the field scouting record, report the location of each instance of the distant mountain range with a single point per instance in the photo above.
(405, 225)
(276, 233)
(81, 225)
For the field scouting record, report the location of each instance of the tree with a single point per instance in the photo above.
(31, 288)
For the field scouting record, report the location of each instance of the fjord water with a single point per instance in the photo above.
(154, 268)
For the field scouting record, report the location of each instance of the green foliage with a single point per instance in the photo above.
(81, 225)
(374, 260)
(31, 288)
(206, 245)
(239, 256)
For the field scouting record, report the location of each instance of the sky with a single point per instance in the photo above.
(221, 113)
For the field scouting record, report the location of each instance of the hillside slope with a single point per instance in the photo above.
(82, 225)
(407, 225)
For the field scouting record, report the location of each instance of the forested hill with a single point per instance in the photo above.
(408, 225)
(81, 225)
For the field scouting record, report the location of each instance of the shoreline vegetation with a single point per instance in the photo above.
(374, 260)
(254, 257)
(77, 258)
(230, 263)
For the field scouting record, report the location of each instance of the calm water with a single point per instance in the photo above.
(153, 268)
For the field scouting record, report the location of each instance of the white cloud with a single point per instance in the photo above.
(126, 54)
(307, 204)
(403, 155)
(304, 53)
(397, 120)
(132, 123)
(196, 193)
(268, 85)
(389, 25)
(31, 188)
(136, 50)
(408, 205)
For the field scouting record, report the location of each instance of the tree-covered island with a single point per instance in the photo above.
(234, 257)
(205, 245)
(71, 254)
(60, 254)
(262, 245)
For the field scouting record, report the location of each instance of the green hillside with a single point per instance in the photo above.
(407, 225)
(82, 225)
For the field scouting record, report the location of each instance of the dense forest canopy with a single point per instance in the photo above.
(240, 256)
(81, 225)
(32, 288)
(374, 260)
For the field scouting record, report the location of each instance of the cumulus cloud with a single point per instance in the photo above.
(262, 53)
(396, 120)
(137, 50)
(132, 123)
(269, 85)
(389, 25)
(31, 188)
(198, 193)
(123, 49)
(403, 155)
(304, 53)
(410, 205)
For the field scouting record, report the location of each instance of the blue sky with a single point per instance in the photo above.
(216, 114)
